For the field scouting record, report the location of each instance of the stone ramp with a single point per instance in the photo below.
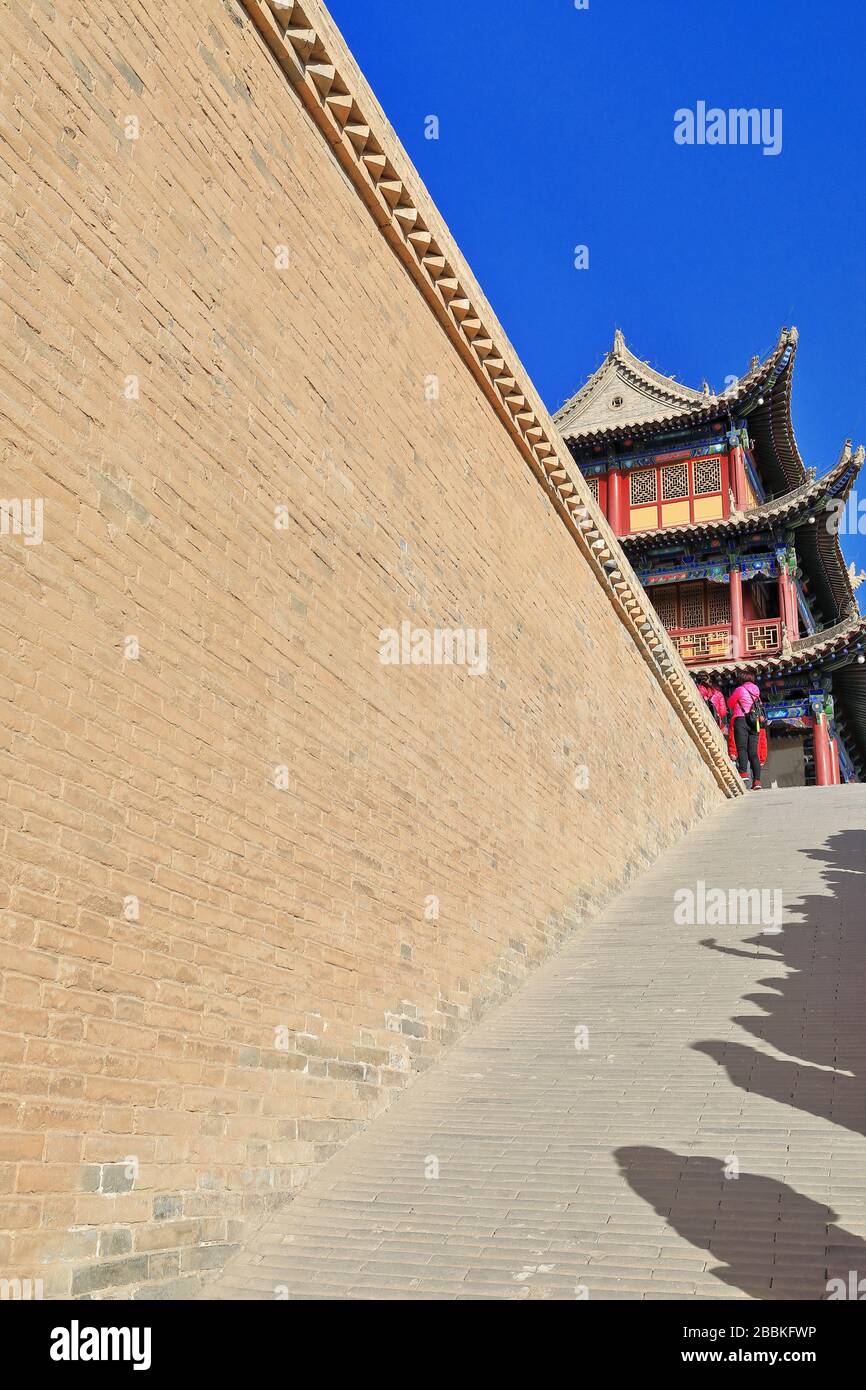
(529, 1165)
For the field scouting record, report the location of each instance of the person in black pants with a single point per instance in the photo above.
(743, 700)
(747, 750)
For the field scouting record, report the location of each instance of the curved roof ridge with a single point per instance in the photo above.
(759, 369)
(828, 635)
(648, 387)
(815, 486)
(665, 385)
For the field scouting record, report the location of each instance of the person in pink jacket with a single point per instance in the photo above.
(716, 701)
(744, 736)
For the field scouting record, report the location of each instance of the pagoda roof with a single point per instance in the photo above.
(626, 396)
(820, 555)
(791, 509)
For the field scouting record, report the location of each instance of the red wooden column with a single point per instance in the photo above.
(784, 590)
(615, 506)
(737, 465)
(794, 628)
(823, 755)
(834, 755)
(794, 625)
(788, 607)
(737, 620)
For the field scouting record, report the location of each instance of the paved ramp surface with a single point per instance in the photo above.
(707, 1141)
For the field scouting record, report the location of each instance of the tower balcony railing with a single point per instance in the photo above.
(764, 637)
(702, 644)
(699, 645)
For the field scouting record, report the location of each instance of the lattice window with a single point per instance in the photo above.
(762, 637)
(692, 605)
(592, 484)
(675, 481)
(692, 648)
(665, 601)
(698, 646)
(642, 487)
(708, 476)
(718, 604)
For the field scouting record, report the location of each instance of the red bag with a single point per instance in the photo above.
(762, 744)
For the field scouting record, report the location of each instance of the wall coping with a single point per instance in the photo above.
(312, 54)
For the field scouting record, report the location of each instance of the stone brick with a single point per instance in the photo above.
(116, 1274)
(117, 1241)
(117, 1177)
(164, 1208)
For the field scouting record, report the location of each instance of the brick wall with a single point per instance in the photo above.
(253, 878)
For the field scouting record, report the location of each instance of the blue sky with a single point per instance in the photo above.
(556, 129)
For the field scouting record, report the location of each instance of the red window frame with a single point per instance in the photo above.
(665, 460)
